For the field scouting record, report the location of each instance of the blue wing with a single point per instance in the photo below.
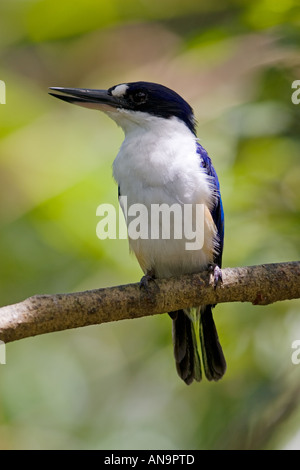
(217, 210)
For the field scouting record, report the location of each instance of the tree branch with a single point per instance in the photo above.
(40, 314)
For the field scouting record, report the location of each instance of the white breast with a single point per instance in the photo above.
(156, 164)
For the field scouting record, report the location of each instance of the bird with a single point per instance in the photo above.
(161, 161)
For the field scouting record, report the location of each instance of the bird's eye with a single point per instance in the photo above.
(139, 97)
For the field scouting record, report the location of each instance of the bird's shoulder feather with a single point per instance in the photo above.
(217, 208)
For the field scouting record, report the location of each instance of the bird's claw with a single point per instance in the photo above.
(144, 282)
(216, 272)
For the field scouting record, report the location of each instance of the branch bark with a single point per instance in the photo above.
(260, 285)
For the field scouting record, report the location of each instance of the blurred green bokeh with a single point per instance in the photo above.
(115, 386)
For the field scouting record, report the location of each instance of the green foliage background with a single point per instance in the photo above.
(115, 386)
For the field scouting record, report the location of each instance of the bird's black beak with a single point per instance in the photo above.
(95, 99)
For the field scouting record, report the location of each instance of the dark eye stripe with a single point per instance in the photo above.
(139, 97)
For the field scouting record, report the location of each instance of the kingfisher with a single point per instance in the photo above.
(162, 162)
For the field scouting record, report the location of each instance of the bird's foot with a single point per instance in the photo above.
(144, 282)
(216, 273)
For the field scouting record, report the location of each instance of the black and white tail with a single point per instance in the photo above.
(195, 334)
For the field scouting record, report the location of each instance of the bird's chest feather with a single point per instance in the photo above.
(164, 169)
(153, 168)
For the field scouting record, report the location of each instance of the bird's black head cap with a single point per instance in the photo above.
(156, 100)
